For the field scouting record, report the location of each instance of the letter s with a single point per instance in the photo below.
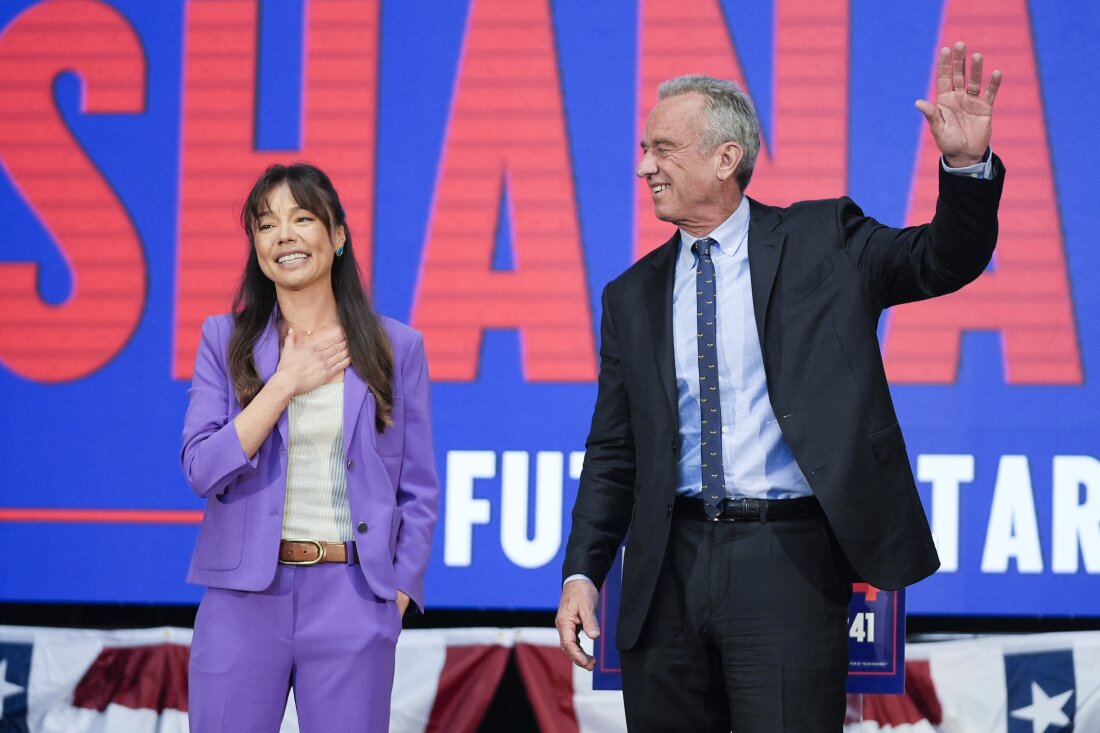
(76, 206)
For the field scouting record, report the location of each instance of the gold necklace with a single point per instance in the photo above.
(309, 331)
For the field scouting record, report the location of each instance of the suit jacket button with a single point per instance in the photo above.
(675, 446)
(361, 527)
(351, 465)
(668, 510)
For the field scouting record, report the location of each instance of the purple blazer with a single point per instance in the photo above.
(392, 485)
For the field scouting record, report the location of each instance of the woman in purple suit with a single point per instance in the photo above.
(308, 434)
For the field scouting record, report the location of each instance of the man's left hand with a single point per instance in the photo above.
(402, 603)
(961, 119)
(578, 609)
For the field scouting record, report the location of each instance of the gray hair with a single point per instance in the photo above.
(730, 117)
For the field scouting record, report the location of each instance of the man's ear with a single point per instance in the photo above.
(729, 158)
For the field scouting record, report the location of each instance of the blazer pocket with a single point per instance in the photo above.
(221, 537)
(887, 442)
(807, 285)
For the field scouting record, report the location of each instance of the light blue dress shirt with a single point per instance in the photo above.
(756, 458)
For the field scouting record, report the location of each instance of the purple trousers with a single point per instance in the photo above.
(319, 629)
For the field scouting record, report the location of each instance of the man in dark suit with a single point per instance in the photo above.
(743, 430)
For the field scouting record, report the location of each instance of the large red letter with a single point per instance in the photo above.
(806, 154)
(1027, 297)
(56, 343)
(507, 128)
(219, 157)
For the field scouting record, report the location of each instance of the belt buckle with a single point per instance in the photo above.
(320, 553)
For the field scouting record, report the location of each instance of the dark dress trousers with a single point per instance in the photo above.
(821, 272)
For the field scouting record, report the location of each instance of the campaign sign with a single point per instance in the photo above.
(876, 638)
(608, 673)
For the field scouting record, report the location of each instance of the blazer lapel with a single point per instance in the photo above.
(765, 251)
(356, 395)
(658, 296)
(265, 354)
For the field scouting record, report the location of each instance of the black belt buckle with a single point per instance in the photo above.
(742, 510)
(733, 510)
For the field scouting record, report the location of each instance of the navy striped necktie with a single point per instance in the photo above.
(710, 406)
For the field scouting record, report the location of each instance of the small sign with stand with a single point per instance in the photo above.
(876, 638)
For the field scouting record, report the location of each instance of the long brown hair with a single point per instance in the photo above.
(254, 301)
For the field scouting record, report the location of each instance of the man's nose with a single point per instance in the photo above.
(646, 166)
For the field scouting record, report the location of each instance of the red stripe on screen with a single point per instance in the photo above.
(101, 516)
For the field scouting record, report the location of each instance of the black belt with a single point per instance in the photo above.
(750, 510)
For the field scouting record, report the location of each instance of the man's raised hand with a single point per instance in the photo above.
(961, 118)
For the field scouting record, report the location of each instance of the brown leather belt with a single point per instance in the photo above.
(311, 552)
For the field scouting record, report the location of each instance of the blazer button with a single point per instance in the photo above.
(675, 446)
(668, 510)
(351, 465)
(361, 527)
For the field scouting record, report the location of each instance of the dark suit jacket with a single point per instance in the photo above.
(821, 275)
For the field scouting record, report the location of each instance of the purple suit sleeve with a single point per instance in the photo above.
(212, 456)
(418, 487)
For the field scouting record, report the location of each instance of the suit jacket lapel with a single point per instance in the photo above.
(765, 251)
(265, 354)
(658, 296)
(356, 395)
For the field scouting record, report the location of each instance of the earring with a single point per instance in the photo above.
(340, 251)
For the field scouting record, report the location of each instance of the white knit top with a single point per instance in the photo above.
(316, 485)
